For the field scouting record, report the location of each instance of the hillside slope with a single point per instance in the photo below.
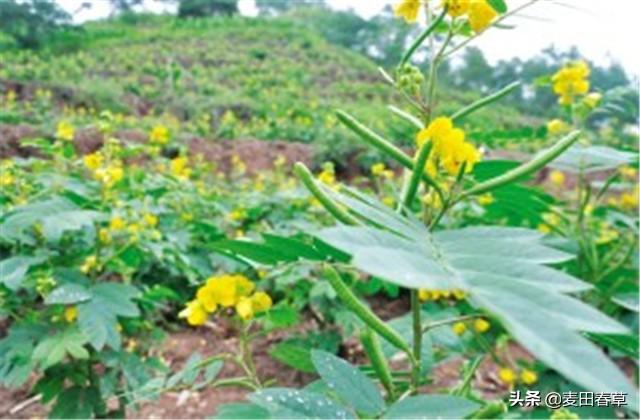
(215, 78)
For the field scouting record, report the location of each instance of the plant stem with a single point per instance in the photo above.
(417, 340)
(440, 323)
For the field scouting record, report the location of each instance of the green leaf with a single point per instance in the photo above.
(97, 317)
(352, 386)
(295, 404)
(14, 269)
(295, 356)
(431, 407)
(626, 344)
(502, 270)
(75, 403)
(498, 5)
(67, 294)
(592, 159)
(26, 216)
(55, 225)
(628, 301)
(241, 411)
(52, 349)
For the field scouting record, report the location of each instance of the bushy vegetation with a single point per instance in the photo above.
(504, 237)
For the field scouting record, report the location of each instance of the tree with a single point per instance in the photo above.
(200, 8)
(124, 6)
(31, 22)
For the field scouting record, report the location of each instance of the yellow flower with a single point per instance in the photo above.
(424, 295)
(481, 14)
(179, 168)
(606, 234)
(89, 264)
(557, 126)
(237, 215)
(408, 9)
(65, 131)
(70, 313)
(629, 173)
(449, 147)
(244, 308)
(328, 175)
(388, 201)
(459, 328)
(261, 302)
(159, 135)
(116, 223)
(557, 177)
(150, 219)
(458, 294)
(507, 376)
(481, 325)
(485, 199)
(93, 161)
(194, 313)
(437, 130)
(552, 219)
(544, 228)
(110, 174)
(456, 8)
(570, 81)
(593, 99)
(528, 377)
(103, 236)
(6, 179)
(206, 296)
(377, 169)
(629, 200)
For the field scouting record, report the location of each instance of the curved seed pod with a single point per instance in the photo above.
(364, 313)
(524, 169)
(307, 179)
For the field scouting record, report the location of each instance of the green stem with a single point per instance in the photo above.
(417, 340)
(440, 323)
(412, 49)
(364, 313)
(307, 179)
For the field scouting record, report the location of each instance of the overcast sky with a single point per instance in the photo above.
(603, 30)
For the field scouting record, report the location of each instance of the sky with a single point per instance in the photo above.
(603, 31)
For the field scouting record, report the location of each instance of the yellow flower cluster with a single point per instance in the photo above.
(380, 170)
(65, 131)
(449, 150)
(480, 325)
(226, 291)
(159, 135)
(146, 224)
(436, 294)
(108, 172)
(509, 377)
(571, 81)
(551, 220)
(479, 12)
(407, 9)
